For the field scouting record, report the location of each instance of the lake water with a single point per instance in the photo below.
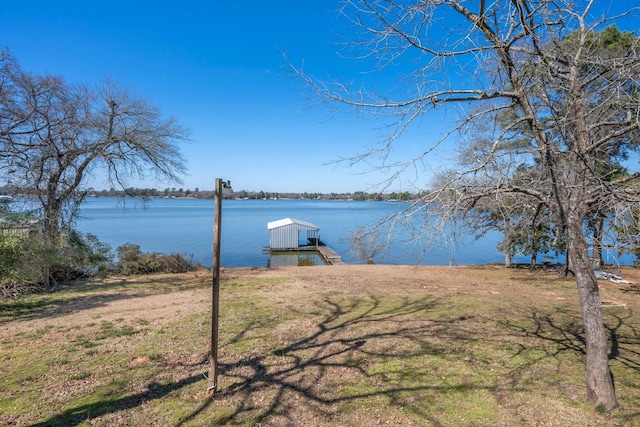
(186, 226)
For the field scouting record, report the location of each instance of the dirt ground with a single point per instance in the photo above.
(442, 280)
(160, 307)
(435, 280)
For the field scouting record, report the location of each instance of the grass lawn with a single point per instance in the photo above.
(317, 346)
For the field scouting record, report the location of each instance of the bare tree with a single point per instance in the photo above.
(569, 106)
(366, 245)
(520, 217)
(53, 136)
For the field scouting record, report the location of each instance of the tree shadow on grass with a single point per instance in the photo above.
(564, 330)
(341, 342)
(337, 361)
(80, 414)
(631, 289)
(341, 355)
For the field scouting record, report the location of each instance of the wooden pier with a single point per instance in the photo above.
(329, 255)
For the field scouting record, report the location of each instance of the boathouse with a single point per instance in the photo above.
(284, 234)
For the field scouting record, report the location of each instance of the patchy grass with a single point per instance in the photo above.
(332, 346)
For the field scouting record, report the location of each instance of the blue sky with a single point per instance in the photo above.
(218, 67)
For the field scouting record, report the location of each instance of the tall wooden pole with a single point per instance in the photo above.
(215, 291)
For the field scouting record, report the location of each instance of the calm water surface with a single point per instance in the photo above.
(186, 226)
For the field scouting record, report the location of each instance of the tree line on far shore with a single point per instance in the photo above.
(196, 193)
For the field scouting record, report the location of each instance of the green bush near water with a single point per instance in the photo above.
(24, 258)
(131, 260)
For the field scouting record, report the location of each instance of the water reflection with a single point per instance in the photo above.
(299, 259)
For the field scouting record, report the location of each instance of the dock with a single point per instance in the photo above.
(329, 255)
(284, 235)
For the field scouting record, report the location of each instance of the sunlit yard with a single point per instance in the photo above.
(334, 346)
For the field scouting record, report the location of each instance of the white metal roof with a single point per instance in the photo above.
(289, 221)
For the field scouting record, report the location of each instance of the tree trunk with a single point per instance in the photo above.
(598, 232)
(600, 389)
(50, 235)
(534, 255)
(535, 236)
(507, 243)
(46, 268)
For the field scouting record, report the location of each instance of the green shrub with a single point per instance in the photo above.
(79, 255)
(21, 264)
(8, 255)
(24, 260)
(131, 260)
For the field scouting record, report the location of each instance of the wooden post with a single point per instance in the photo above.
(215, 292)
